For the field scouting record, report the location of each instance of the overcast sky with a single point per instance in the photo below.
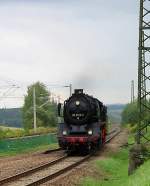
(90, 43)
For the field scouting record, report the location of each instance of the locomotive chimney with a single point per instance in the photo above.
(78, 91)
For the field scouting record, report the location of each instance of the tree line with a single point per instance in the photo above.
(130, 114)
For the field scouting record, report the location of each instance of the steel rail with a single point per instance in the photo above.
(70, 167)
(52, 150)
(30, 171)
(113, 130)
(56, 174)
(116, 132)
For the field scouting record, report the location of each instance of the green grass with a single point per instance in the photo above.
(28, 150)
(10, 147)
(141, 177)
(115, 169)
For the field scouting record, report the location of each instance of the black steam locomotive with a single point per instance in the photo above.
(85, 123)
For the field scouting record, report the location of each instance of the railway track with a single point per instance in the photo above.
(50, 170)
(52, 150)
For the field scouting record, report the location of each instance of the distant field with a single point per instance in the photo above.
(11, 128)
(13, 132)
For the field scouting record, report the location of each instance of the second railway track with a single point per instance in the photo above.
(49, 171)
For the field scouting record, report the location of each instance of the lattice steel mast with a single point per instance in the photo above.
(144, 71)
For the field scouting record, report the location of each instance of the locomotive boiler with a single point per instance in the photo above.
(84, 125)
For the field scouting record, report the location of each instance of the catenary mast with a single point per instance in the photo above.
(137, 151)
(144, 71)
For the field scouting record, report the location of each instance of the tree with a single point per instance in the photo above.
(130, 114)
(46, 110)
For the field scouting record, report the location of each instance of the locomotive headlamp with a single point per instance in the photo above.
(77, 103)
(64, 132)
(90, 132)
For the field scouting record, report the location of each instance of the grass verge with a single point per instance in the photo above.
(28, 150)
(115, 169)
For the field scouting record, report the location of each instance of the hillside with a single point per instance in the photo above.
(13, 117)
(114, 112)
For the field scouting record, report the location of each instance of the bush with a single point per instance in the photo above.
(132, 128)
(15, 133)
(130, 114)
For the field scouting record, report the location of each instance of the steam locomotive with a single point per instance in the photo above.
(84, 123)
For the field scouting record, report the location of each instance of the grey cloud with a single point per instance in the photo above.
(92, 44)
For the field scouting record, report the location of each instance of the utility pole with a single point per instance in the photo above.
(34, 109)
(50, 96)
(70, 86)
(132, 92)
(58, 98)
